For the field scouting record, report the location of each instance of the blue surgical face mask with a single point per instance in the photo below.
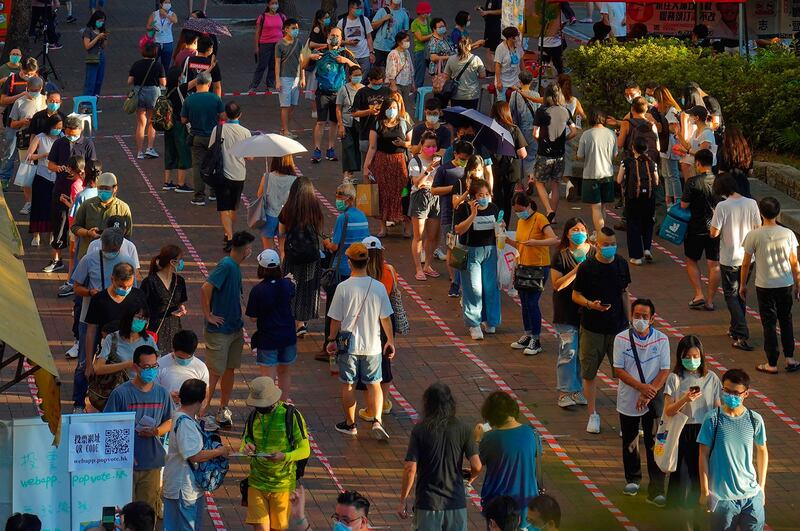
(432, 118)
(33, 93)
(341, 205)
(376, 86)
(731, 401)
(608, 252)
(578, 238)
(327, 21)
(148, 375)
(356, 79)
(295, 33)
(183, 362)
(441, 31)
(691, 364)
(73, 138)
(105, 195)
(180, 265)
(391, 113)
(359, 11)
(15, 59)
(122, 292)
(523, 214)
(110, 255)
(55, 132)
(483, 202)
(138, 325)
(99, 23)
(339, 526)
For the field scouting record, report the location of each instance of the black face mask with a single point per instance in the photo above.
(266, 410)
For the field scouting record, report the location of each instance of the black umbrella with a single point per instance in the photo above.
(490, 134)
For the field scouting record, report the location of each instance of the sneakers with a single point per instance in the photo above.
(316, 156)
(26, 209)
(224, 418)
(440, 255)
(331, 155)
(301, 331)
(476, 333)
(533, 348)
(212, 197)
(168, 187)
(53, 266)
(587, 20)
(378, 433)
(636, 261)
(566, 401)
(648, 257)
(35, 240)
(184, 189)
(210, 424)
(71, 20)
(579, 399)
(72, 353)
(56, 46)
(593, 426)
(659, 501)
(631, 489)
(151, 153)
(199, 201)
(488, 329)
(347, 429)
(521, 343)
(387, 406)
(140, 155)
(362, 414)
(66, 290)
(454, 290)
(742, 344)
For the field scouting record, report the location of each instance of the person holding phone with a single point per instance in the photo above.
(423, 205)
(166, 294)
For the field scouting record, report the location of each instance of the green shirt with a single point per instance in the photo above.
(423, 28)
(202, 110)
(93, 214)
(269, 436)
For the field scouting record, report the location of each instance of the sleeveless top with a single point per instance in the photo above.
(163, 27)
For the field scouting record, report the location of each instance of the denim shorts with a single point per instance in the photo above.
(270, 230)
(364, 368)
(290, 92)
(148, 96)
(281, 356)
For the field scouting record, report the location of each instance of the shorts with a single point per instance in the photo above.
(223, 351)
(270, 229)
(147, 97)
(367, 369)
(60, 226)
(594, 191)
(177, 155)
(290, 92)
(547, 169)
(228, 194)
(326, 107)
(694, 245)
(270, 509)
(451, 519)
(593, 348)
(281, 356)
(423, 205)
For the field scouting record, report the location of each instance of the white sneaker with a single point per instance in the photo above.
(35, 240)
(225, 417)
(378, 433)
(593, 426)
(72, 353)
(631, 489)
(26, 209)
(566, 401)
(488, 329)
(636, 261)
(210, 424)
(475, 332)
(140, 155)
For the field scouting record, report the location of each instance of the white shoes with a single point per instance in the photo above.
(475, 332)
(593, 426)
(72, 353)
(26, 209)
(35, 240)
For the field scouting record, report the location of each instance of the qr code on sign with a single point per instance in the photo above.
(117, 441)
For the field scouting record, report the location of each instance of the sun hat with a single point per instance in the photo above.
(263, 392)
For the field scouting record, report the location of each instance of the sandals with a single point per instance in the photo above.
(431, 273)
(420, 276)
(763, 367)
(697, 304)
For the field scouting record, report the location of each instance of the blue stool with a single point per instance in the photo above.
(91, 100)
(419, 110)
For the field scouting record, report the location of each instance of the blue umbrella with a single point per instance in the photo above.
(489, 133)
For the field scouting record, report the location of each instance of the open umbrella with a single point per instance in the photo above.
(488, 132)
(207, 25)
(268, 145)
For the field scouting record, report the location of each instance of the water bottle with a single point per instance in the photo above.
(334, 367)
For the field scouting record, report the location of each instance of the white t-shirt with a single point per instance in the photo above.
(185, 442)
(354, 30)
(234, 167)
(653, 353)
(416, 166)
(128, 248)
(710, 392)
(597, 147)
(616, 17)
(772, 247)
(171, 375)
(278, 186)
(26, 107)
(734, 218)
(509, 73)
(672, 118)
(706, 135)
(348, 300)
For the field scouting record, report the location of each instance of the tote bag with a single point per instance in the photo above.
(665, 450)
(25, 174)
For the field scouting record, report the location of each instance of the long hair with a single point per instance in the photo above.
(302, 208)
(283, 165)
(375, 264)
(641, 156)
(167, 254)
(692, 96)
(736, 151)
(438, 406)
(464, 47)
(568, 226)
(97, 15)
(684, 346)
(665, 100)
(185, 38)
(402, 114)
(319, 16)
(126, 321)
(565, 82)
(502, 113)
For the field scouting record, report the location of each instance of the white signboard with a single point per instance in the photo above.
(100, 445)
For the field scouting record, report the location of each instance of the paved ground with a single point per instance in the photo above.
(583, 471)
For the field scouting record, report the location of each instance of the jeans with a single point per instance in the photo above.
(775, 306)
(266, 62)
(480, 295)
(80, 383)
(365, 65)
(672, 179)
(10, 154)
(639, 214)
(531, 314)
(180, 515)
(93, 81)
(685, 493)
(165, 54)
(199, 151)
(568, 367)
(745, 515)
(736, 305)
(631, 460)
(420, 67)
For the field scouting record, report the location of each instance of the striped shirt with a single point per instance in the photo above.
(357, 230)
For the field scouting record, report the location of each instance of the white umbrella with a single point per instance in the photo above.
(268, 145)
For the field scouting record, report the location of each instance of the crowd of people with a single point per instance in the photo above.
(456, 193)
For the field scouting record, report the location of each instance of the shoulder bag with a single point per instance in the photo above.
(450, 87)
(344, 337)
(331, 277)
(101, 385)
(656, 405)
(531, 278)
(399, 315)
(132, 101)
(212, 169)
(257, 212)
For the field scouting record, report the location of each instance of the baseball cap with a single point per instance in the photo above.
(357, 251)
(371, 242)
(107, 179)
(269, 258)
(117, 222)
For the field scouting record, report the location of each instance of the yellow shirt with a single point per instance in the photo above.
(533, 229)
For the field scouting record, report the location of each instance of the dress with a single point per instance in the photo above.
(159, 305)
(305, 303)
(389, 168)
(42, 190)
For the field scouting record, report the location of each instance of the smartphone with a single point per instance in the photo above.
(109, 515)
(606, 306)
(695, 389)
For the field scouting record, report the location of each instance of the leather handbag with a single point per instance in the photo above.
(529, 278)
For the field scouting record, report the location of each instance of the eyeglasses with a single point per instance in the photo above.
(734, 393)
(343, 519)
(148, 366)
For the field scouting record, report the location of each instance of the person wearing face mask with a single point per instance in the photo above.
(181, 365)
(357, 30)
(289, 77)
(544, 513)
(507, 60)
(277, 457)
(732, 437)
(39, 120)
(269, 31)
(387, 23)
(42, 188)
(19, 118)
(95, 40)
(165, 291)
(15, 87)
(432, 124)
(424, 206)
(400, 67)
(422, 33)
(642, 364)
(12, 65)
(352, 512)
(348, 127)
(367, 104)
(439, 49)
(161, 22)
(94, 212)
(131, 335)
(153, 408)
(601, 289)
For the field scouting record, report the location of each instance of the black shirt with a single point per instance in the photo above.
(162, 301)
(365, 98)
(387, 136)
(439, 454)
(564, 310)
(139, 70)
(60, 153)
(506, 168)
(698, 193)
(597, 280)
(443, 134)
(103, 309)
(481, 232)
(552, 122)
(39, 122)
(195, 64)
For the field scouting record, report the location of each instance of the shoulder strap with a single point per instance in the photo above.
(144, 79)
(102, 272)
(340, 247)
(636, 356)
(363, 25)
(464, 68)
(364, 301)
(248, 425)
(714, 437)
(293, 415)
(418, 161)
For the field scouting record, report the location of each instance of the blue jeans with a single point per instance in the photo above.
(180, 515)
(568, 367)
(165, 54)
(672, 179)
(531, 314)
(80, 383)
(480, 294)
(10, 154)
(420, 67)
(94, 77)
(746, 515)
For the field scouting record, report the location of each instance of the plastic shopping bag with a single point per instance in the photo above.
(665, 450)
(506, 263)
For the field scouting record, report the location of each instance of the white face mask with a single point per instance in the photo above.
(641, 325)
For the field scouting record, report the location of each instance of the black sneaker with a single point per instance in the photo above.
(212, 197)
(53, 266)
(56, 46)
(168, 187)
(454, 290)
(347, 429)
(71, 20)
(199, 201)
(302, 330)
(184, 189)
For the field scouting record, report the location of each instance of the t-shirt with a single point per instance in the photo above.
(481, 232)
(772, 247)
(732, 475)
(706, 135)
(533, 229)
(278, 187)
(443, 134)
(365, 98)
(710, 393)
(89, 274)
(616, 17)
(140, 68)
(185, 441)
(359, 303)
(125, 349)
(226, 299)
(26, 107)
(202, 109)
(194, 64)
(699, 194)
(597, 147)
(552, 122)
(180, 92)
(509, 64)
(289, 55)
(653, 351)
(148, 452)
(331, 75)
(355, 30)
(448, 174)
(357, 230)
(270, 302)
(607, 283)
(416, 167)
(384, 35)
(94, 214)
(400, 67)
(564, 310)
(232, 133)
(39, 122)
(508, 168)
(423, 28)
(60, 153)
(345, 98)
(103, 309)
(171, 375)
(734, 218)
(439, 454)
(522, 112)
(510, 460)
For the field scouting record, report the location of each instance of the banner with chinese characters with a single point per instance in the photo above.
(100, 445)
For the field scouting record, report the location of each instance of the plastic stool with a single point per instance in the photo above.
(419, 110)
(91, 100)
(87, 122)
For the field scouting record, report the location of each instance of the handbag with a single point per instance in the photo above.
(257, 214)
(212, 169)
(529, 278)
(132, 101)
(25, 174)
(451, 85)
(656, 405)
(401, 324)
(331, 277)
(439, 79)
(458, 258)
(101, 386)
(665, 450)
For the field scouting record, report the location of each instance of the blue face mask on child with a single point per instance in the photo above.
(731, 401)
(608, 252)
(483, 202)
(523, 214)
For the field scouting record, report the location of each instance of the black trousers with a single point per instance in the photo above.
(684, 483)
(639, 213)
(736, 306)
(631, 460)
(502, 194)
(48, 16)
(555, 55)
(775, 306)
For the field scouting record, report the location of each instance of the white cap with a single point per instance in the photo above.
(371, 242)
(269, 258)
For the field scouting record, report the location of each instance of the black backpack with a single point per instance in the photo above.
(639, 127)
(301, 245)
(212, 167)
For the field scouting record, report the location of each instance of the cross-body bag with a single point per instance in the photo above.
(344, 337)
(656, 405)
(450, 86)
(166, 312)
(530, 278)
(331, 277)
(132, 101)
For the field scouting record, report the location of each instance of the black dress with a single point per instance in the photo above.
(161, 302)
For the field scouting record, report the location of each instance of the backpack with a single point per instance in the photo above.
(301, 245)
(212, 168)
(210, 474)
(639, 127)
(639, 179)
(292, 415)
(162, 113)
(343, 22)
(101, 385)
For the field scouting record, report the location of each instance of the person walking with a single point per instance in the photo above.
(148, 77)
(269, 31)
(95, 40)
(165, 291)
(161, 21)
(357, 30)
(777, 279)
(638, 178)
(290, 79)
(423, 208)
(597, 148)
(276, 185)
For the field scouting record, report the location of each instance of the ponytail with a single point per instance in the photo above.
(167, 254)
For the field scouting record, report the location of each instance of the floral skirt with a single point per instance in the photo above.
(391, 173)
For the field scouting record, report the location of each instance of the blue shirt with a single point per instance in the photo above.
(731, 473)
(269, 302)
(357, 230)
(226, 300)
(448, 174)
(384, 37)
(510, 460)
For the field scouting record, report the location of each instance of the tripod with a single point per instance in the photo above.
(44, 55)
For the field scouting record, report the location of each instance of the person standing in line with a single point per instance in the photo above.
(19, 119)
(638, 178)
(180, 365)
(597, 148)
(612, 14)
(733, 219)
(348, 126)
(222, 308)
(544, 511)
(423, 206)
(421, 30)
(387, 23)
(95, 40)
(502, 514)
(177, 153)
(435, 457)
(290, 79)
(357, 30)
(777, 281)
(731, 486)
(276, 186)
(642, 364)
(400, 68)
(94, 213)
(468, 91)
(165, 290)
(161, 21)
(269, 31)
(42, 186)
(492, 18)
(352, 510)
(149, 77)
